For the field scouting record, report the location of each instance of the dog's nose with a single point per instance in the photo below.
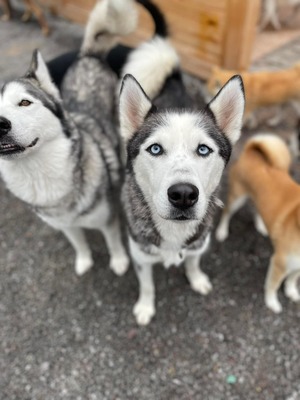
(183, 195)
(5, 126)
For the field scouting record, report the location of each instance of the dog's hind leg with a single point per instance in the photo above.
(290, 288)
(276, 274)
(198, 280)
(119, 261)
(236, 199)
(84, 260)
(144, 308)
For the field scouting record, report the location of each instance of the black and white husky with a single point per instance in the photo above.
(175, 158)
(59, 156)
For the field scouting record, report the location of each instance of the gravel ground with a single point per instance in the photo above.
(64, 337)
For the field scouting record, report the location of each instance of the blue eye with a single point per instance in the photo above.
(204, 150)
(155, 149)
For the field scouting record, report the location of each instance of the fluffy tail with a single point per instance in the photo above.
(151, 64)
(108, 20)
(272, 148)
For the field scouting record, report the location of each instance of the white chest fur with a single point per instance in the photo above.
(42, 177)
(171, 251)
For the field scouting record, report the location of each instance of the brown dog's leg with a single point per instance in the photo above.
(290, 289)
(7, 10)
(27, 15)
(276, 274)
(37, 11)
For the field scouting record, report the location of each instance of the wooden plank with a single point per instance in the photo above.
(241, 20)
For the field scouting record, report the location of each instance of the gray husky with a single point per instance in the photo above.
(59, 156)
(176, 155)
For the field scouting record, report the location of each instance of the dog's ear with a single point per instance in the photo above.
(133, 108)
(228, 108)
(38, 70)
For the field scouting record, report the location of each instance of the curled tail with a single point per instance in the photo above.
(153, 61)
(273, 150)
(108, 20)
(160, 25)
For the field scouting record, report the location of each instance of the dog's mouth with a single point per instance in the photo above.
(13, 148)
(181, 217)
(9, 148)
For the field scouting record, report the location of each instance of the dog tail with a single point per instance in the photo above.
(155, 60)
(273, 150)
(160, 24)
(108, 20)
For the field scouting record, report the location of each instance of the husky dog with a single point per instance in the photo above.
(175, 158)
(59, 156)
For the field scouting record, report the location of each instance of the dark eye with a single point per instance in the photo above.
(155, 149)
(25, 103)
(204, 150)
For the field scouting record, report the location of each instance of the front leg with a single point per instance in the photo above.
(144, 308)
(198, 280)
(119, 261)
(84, 259)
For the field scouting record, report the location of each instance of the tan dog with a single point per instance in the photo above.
(31, 7)
(261, 173)
(262, 88)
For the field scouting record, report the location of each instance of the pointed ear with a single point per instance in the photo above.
(133, 108)
(38, 70)
(228, 108)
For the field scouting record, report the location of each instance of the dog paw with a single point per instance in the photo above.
(202, 284)
(274, 305)
(143, 313)
(82, 265)
(221, 233)
(119, 265)
(292, 293)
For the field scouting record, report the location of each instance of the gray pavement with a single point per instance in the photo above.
(63, 337)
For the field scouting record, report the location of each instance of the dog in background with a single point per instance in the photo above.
(176, 154)
(60, 155)
(31, 8)
(262, 174)
(262, 88)
(270, 11)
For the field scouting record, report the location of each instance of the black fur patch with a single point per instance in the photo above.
(173, 94)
